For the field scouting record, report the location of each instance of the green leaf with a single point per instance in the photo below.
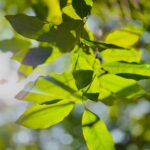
(113, 87)
(44, 116)
(69, 11)
(142, 70)
(54, 11)
(83, 78)
(123, 37)
(100, 45)
(37, 56)
(63, 36)
(27, 26)
(91, 96)
(81, 8)
(14, 45)
(55, 86)
(96, 133)
(59, 65)
(132, 55)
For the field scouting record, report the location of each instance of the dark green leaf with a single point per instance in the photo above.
(61, 35)
(81, 8)
(91, 96)
(28, 26)
(83, 78)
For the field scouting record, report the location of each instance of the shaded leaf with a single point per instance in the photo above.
(95, 132)
(81, 8)
(83, 78)
(59, 65)
(28, 26)
(37, 56)
(61, 36)
(14, 45)
(91, 96)
(44, 116)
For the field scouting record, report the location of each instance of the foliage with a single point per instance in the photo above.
(70, 67)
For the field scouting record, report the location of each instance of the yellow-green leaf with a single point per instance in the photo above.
(122, 37)
(44, 116)
(132, 55)
(96, 133)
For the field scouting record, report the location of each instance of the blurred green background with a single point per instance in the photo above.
(129, 122)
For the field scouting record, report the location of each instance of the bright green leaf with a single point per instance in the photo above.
(122, 37)
(44, 115)
(56, 86)
(96, 133)
(54, 12)
(132, 55)
(113, 87)
(69, 11)
(141, 70)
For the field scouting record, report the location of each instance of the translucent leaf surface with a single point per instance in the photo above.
(122, 37)
(132, 55)
(44, 116)
(53, 87)
(136, 71)
(95, 132)
(115, 87)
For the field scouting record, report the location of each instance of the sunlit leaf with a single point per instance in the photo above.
(69, 10)
(140, 71)
(54, 12)
(44, 115)
(95, 132)
(115, 87)
(122, 37)
(56, 86)
(132, 55)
